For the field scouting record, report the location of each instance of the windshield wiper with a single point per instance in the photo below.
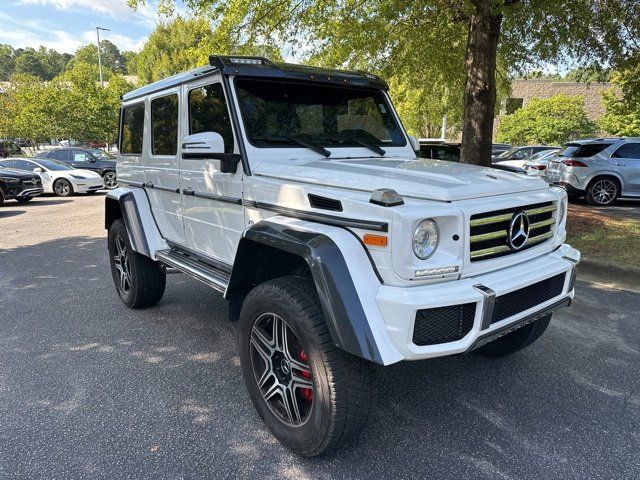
(362, 143)
(316, 148)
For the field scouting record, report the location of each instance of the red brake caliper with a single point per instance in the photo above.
(307, 393)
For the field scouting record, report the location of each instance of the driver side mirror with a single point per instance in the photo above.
(207, 146)
(38, 170)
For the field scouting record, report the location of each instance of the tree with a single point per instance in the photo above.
(622, 111)
(113, 61)
(27, 62)
(548, 121)
(182, 44)
(456, 37)
(7, 63)
(130, 62)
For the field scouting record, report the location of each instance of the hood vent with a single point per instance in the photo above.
(324, 203)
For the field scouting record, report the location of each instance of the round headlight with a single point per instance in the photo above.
(425, 239)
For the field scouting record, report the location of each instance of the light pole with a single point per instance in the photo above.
(99, 59)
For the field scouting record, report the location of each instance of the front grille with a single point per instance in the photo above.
(518, 301)
(32, 182)
(443, 324)
(489, 230)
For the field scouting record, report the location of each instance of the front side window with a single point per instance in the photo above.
(131, 130)
(164, 125)
(208, 112)
(628, 150)
(280, 113)
(80, 156)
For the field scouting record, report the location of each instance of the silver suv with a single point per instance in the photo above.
(601, 169)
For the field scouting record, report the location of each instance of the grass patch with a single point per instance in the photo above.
(601, 237)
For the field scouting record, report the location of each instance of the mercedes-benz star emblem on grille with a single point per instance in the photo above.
(518, 230)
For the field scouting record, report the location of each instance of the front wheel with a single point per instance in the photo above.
(515, 341)
(139, 281)
(109, 180)
(63, 188)
(310, 394)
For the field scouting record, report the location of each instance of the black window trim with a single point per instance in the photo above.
(175, 92)
(122, 108)
(388, 105)
(191, 88)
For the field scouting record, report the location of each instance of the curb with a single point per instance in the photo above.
(597, 271)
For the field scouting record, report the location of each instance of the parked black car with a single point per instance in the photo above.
(519, 153)
(498, 148)
(451, 153)
(18, 185)
(88, 159)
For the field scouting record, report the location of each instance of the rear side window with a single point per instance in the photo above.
(164, 125)
(208, 113)
(61, 155)
(582, 151)
(132, 129)
(628, 150)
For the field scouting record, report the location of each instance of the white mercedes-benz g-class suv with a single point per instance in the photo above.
(296, 192)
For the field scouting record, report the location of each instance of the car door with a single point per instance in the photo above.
(627, 163)
(212, 200)
(161, 163)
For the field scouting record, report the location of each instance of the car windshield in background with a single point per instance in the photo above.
(53, 165)
(286, 114)
(582, 151)
(508, 153)
(101, 154)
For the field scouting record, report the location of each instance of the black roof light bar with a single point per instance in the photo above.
(263, 67)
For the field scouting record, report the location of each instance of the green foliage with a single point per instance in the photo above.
(42, 63)
(72, 105)
(622, 110)
(549, 121)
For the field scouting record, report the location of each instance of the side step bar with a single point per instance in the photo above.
(195, 268)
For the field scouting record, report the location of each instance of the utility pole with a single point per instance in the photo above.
(100, 59)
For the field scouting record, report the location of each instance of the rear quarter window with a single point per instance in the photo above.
(132, 129)
(583, 151)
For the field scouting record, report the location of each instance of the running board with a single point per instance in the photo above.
(195, 268)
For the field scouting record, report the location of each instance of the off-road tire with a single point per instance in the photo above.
(596, 185)
(147, 279)
(344, 386)
(24, 199)
(515, 341)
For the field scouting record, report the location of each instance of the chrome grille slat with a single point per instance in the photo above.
(488, 231)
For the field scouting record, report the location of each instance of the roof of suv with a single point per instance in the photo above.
(587, 141)
(263, 67)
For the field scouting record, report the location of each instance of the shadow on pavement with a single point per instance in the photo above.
(10, 213)
(88, 385)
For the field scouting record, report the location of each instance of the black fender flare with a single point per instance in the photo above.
(345, 316)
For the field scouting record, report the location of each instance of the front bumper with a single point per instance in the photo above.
(30, 192)
(88, 185)
(399, 305)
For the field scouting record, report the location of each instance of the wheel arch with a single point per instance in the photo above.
(605, 173)
(279, 247)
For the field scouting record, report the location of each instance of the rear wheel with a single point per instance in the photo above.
(515, 341)
(62, 187)
(602, 191)
(139, 281)
(311, 395)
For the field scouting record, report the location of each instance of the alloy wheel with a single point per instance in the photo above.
(63, 188)
(281, 369)
(604, 191)
(121, 263)
(110, 181)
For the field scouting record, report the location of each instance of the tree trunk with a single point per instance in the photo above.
(480, 86)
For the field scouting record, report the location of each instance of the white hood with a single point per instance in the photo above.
(419, 178)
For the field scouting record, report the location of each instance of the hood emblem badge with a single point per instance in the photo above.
(519, 229)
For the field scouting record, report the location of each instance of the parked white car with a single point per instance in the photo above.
(536, 165)
(57, 177)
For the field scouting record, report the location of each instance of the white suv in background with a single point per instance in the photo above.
(601, 169)
(296, 193)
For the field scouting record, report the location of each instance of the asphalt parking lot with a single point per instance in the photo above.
(90, 389)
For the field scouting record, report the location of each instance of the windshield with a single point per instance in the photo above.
(96, 152)
(286, 114)
(53, 165)
(508, 153)
(582, 151)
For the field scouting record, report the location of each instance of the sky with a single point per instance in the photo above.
(65, 25)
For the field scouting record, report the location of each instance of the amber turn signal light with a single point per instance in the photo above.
(375, 240)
